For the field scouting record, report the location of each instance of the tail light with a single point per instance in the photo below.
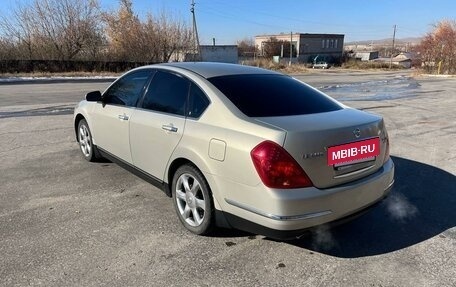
(277, 168)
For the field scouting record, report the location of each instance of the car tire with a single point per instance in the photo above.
(192, 200)
(88, 149)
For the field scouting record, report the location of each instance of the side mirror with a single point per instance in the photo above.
(94, 96)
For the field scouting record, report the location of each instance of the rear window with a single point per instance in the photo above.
(272, 95)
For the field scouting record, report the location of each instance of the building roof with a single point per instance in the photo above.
(307, 35)
(365, 52)
(394, 60)
(219, 46)
(401, 58)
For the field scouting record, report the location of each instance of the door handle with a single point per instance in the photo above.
(123, 117)
(169, 128)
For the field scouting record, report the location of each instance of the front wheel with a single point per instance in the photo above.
(88, 149)
(192, 199)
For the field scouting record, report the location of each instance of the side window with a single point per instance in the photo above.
(167, 93)
(128, 89)
(198, 102)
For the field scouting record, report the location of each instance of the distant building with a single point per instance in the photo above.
(364, 56)
(209, 53)
(403, 60)
(359, 47)
(308, 48)
(382, 45)
(399, 60)
(219, 53)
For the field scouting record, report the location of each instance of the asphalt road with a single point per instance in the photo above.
(67, 222)
(46, 93)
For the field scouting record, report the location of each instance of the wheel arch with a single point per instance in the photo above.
(175, 164)
(178, 162)
(219, 217)
(183, 156)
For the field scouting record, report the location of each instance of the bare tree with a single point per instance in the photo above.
(246, 47)
(124, 32)
(19, 31)
(438, 48)
(54, 29)
(7, 49)
(172, 35)
(276, 47)
(152, 40)
(77, 29)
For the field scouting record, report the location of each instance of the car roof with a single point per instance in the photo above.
(212, 69)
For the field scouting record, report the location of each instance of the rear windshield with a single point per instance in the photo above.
(272, 95)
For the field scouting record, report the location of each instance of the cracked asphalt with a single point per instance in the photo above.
(67, 222)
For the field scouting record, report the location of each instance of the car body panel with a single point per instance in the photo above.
(112, 133)
(153, 138)
(264, 206)
(313, 134)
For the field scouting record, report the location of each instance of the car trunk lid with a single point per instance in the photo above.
(310, 137)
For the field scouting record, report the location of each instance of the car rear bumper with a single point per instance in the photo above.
(292, 212)
(249, 226)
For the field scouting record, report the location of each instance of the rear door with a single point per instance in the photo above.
(158, 124)
(110, 119)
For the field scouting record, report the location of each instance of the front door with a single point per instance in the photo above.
(111, 119)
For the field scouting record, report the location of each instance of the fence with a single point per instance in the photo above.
(56, 66)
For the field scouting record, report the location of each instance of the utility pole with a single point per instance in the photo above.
(392, 49)
(291, 47)
(197, 50)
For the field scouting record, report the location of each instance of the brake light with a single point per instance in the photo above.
(277, 168)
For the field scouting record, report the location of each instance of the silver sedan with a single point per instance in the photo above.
(238, 146)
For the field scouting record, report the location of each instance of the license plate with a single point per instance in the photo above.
(353, 151)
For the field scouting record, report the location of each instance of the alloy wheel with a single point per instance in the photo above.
(85, 141)
(190, 200)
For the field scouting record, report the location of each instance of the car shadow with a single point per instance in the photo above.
(421, 206)
(229, 233)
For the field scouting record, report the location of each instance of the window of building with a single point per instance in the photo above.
(335, 43)
(323, 43)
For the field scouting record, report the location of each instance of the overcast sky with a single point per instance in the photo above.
(232, 20)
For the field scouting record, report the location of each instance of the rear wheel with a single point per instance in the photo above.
(192, 199)
(88, 149)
